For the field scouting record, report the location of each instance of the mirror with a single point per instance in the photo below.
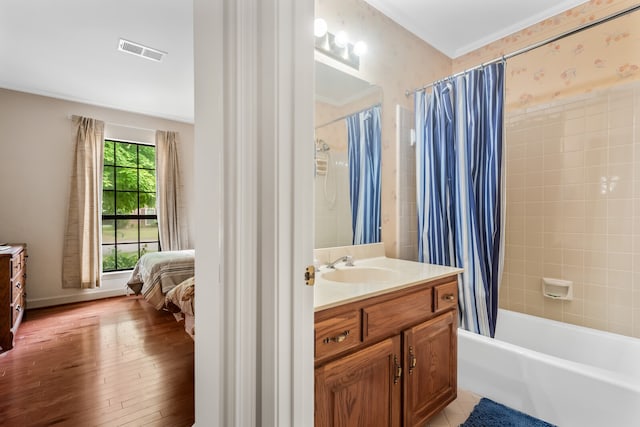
(340, 98)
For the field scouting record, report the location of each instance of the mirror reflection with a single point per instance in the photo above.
(347, 159)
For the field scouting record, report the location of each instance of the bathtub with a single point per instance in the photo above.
(564, 374)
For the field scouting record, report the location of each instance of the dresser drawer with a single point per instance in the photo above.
(392, 316)
(337, 334)
(16, 264)
(17, 308)
(445, 296)
(17, 284)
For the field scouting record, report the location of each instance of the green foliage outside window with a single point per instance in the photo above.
(129, 222)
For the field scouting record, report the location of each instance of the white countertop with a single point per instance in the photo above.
(329, 294)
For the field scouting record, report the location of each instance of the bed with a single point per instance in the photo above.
(157, 273)
(181, 302)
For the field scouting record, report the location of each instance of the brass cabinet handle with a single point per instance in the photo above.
(397, 370)
(449, 297)
(412, 360)
(337, 338)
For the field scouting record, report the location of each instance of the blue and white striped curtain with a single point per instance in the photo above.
(364, 135)
(460, 185)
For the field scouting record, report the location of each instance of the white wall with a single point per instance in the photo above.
(36, 155)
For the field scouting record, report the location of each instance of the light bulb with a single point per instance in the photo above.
(319, 27)
(341, 39)
(360, 48)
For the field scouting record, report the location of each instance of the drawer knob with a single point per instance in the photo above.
(18, 285)
(18, 308)
(337, 338)
(449, 297)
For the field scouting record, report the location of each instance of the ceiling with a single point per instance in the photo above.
(68, 48)
(456, 27)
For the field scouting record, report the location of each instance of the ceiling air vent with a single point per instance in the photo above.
(140, 50)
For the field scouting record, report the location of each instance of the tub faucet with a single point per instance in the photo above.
(348, 260)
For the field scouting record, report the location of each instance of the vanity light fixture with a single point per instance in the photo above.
(337, 46)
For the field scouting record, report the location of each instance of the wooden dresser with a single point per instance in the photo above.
(13, 274)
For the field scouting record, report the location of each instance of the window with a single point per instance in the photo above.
(129, 219)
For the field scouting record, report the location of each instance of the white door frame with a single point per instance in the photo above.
(254, 204)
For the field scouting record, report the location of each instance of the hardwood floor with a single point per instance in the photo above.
(113, 362)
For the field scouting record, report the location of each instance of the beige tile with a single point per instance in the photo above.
(596, 310)
(620, 243)
(574, 208)
(575, 224)
(516, 296)
(553, 309)
(621, 225)
(620, 328)
(595, 157)
(620, 154)
(552, 240)
(553, 193)
(597, 259)
(595, 323)
(619, 208)
(532, 283)
(574, 240)
(552, 256)
(552, 270)
(573, 257)
(573, 319)
(620, 314)
(620, 279)
(620, 261)
(574, 307)
(595, 294)
(573, 273)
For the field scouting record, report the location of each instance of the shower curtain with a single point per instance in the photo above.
(459, 160)
(364, 134)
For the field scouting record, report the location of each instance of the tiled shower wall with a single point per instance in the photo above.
(573, 209)
(408, 219)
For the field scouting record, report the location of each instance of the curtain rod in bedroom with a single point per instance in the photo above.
(533, 46)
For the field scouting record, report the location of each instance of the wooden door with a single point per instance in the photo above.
(430, 356)
(362, 389)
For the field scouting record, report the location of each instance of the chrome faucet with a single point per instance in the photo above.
(348, 260)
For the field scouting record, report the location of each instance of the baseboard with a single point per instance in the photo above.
(68, 299)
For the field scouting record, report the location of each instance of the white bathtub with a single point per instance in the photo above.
(564, 374)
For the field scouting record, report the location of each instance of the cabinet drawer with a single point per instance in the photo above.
(17, 285)
(392, 316)
(446, 296)
(17, 308)
(16, 264)
(337, 334)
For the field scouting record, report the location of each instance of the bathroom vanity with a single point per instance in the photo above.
(385, 343)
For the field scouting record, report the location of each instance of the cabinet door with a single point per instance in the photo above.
(361, 389)
(430, 356)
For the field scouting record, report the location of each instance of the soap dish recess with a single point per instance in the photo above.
(557, 288)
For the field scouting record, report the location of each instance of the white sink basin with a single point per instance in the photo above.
(361, 275)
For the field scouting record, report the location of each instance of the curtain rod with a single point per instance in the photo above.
(70, 117)
(350, 114)
(533, 46)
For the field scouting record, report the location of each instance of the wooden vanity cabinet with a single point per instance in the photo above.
(397, 366)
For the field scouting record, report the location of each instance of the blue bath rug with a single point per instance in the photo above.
(488, 413)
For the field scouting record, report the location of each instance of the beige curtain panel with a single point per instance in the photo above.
(168, 192)
(81, 253)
